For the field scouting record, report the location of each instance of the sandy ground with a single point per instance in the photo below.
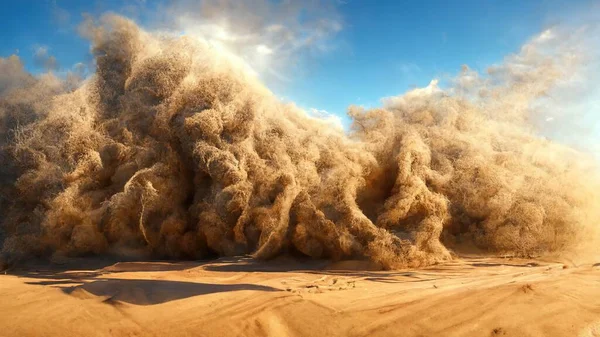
(242, 297)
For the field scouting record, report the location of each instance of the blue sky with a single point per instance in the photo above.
(382, 48)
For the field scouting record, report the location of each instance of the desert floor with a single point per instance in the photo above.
(469, 296)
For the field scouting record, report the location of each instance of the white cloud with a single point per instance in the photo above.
(271, 37)
(326, 117)
(262, 49)
(414, 95)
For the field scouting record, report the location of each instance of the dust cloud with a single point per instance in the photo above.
(172, 151)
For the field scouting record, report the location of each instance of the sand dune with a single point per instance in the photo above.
(243, 297)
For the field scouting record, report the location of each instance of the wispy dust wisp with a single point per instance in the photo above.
(44, 60)
(170, 151)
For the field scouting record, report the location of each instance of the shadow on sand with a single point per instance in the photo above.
(145, 292)
(92, 278)
(101, 279)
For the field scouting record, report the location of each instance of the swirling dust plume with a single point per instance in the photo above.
(172, 151)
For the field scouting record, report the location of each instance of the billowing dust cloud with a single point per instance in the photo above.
(169, 151)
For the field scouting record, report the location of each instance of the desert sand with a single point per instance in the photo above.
(470, 296)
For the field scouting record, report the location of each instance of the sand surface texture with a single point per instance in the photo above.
(242, 297)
